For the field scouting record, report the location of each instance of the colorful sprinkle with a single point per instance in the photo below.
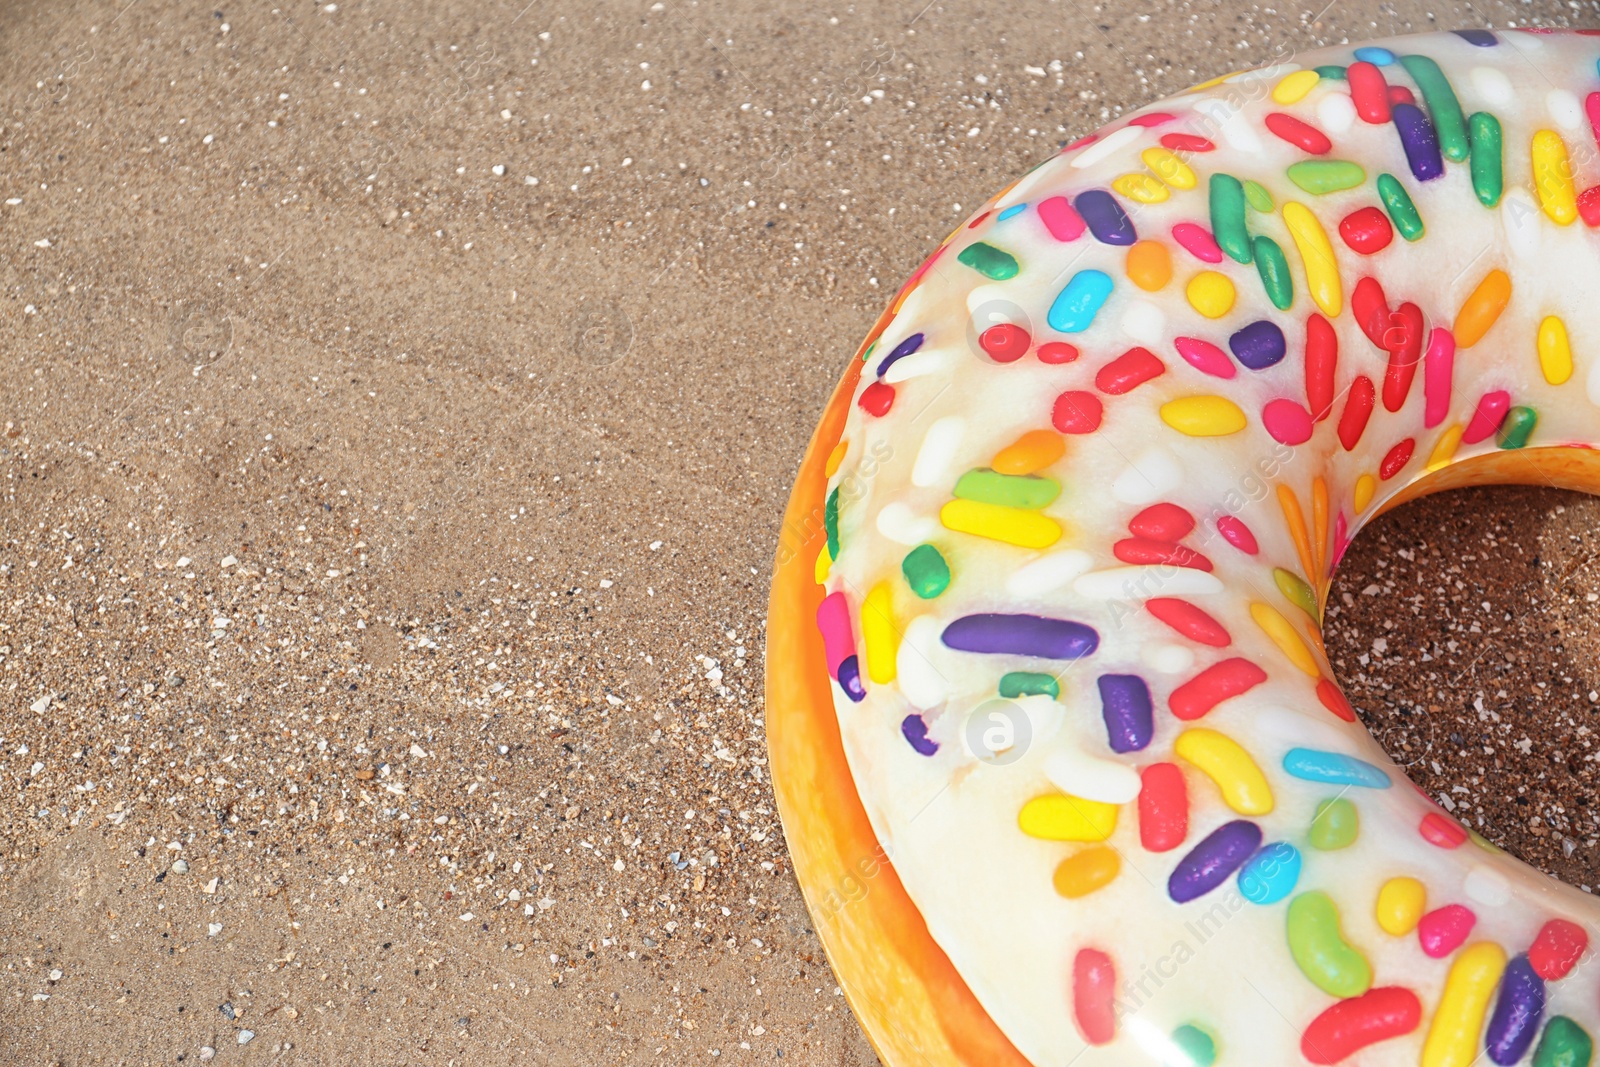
(1213, 861)
(1420, 142)
(1106, 220)
(1025, 529)
(1027, 491)
(1488, 175)
(1016, 684)
(914, 728)
(1169, 167)
(1316, 257)
(989, 261)
(1336, 825)
(926, 571)
(1062, 817)
(1271, 874)
(1210, 293)
(1030, 453)
(1400, 904)
(879, 634)
(1228, 219)
(1129, 371)
(1163, 807)
(1442, 105)
(1517, 1013)
(1401, 210)
(1127, 710)
(1061, 219)
(1552, 177)
(1564, 1044)
(1149, 265)
(1203, 416)
(1086, 872)
(1197, 241)
(1021, 635)
(1347, 1027)
(1222, 759)
(1218, 682)
(1333, 768)
(1077, 304)
(1094, 991)
(1557, 949)
(1320, 950)
(1453, 1036)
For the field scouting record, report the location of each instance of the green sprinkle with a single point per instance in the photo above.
(830, 522)
(867, 355)
(926, 571)
(1483, 842)
(1336, 73)
(1563, 1044)
(1296, 590)
(1025, 491)
(1517, 428)
(1322, 176)
(989, 261)
(1256, 196)
(1319, 949)
(1196, 1045)
(1335, 825)
(1488, 180)
(1443, 106)
(1027, 684)
(1274, 271)
(1227, 217)
(1401, 210)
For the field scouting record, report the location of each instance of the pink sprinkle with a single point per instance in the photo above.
(1341, 538)
(1155, 118)
(1197, 241)
(1237, 534)
(1442, 930)
(833, 619)
(1082, 142)
(1490, 413)
(1061, 219)
(1287, 422)
(1205, 357)
(1438, 368)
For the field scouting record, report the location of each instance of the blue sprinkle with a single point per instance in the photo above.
(1378, 57)
(1481, 38)
(850, 680)
(1271, 874)
(916, 732)
(1014, 209)
(1076, 305)
(1258, 345)
(1105, 218)
(901, 351)
(1334, 768)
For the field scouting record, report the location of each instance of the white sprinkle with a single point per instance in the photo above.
(1049, 573)
(1103, 148)
(938, 451)
(1081, 774)
(921, 684)
(1167, 658)
(917, 365)
(1493, 85)
(1336, 112)
(1151, 476)
(1236, 129)
(1145, 322)
(1140, 583)
(1488, 887)
(900, 524)
(1519, 217)
(1565, 111)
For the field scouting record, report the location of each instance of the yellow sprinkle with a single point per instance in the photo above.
(1203, 416)
(1458, 1021)
(836, 457)
(1028, 529)
(879, 634)
(1293, 89)
(1168, 167)
(1316, 253)
(1210, 293)
(1214, 82)
(1219, 757)
(1094, 868)
(1141, 187)
(1482, 308)
(824, 565)
(1445, 450)
(1552, 176)
(1366, 485)
(1063, 817)
(1275, 626)
(1400, 904)
(1555, 351)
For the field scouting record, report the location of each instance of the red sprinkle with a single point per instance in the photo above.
(1129, 371)
(1077, 411)
(1005, 343)
(1371, 309)
(1400, 94)
(1082, 142)
(1366, 230)
(1357, 410)
(1155, 118)
(877, 399)
(1442, 930)
(1094, 988)
(1395, 460)
(1369, 92)
(1205, 357)
(1322, 355)
(1163, 807)
(1212, 686)
(1591, 105)
(1349, 1026)
(1487, 417)
(1287, 421)
(1589, 205)
(973, 225)
(1403, 339)
(1557, 949)
(1186, 142)
(1162, 522)
(1189, 621)
(1443, 831)
(1138, 550)
(1333, 699)
(1057, 352)
(1061, 218)
(1237, 534)
(1302, 135)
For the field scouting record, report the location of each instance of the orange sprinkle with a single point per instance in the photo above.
(836, 457)
(1033, 451)
(1319, 525)
(1089, 870)
(1297, 525)
(1482, 308)
(1149, 265)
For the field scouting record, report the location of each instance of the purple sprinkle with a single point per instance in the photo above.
(1481, 38)
(1517, 1013)
(901, 351)
(1258, 345)
(916, 732)
(1125, 704)
(1213, 861)
(1105, 218)
(1022, 635)
(1421, 143)
(850, 679)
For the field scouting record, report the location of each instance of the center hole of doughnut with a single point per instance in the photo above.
(1465, 629)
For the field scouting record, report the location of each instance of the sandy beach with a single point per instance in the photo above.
(399, 405)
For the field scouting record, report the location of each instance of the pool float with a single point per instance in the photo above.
(1065, 775)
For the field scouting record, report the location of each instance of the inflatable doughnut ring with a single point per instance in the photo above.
(1065, 775)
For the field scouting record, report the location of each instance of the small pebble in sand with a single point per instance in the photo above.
(246, 1036)
(180, 867)
(207, 1053)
